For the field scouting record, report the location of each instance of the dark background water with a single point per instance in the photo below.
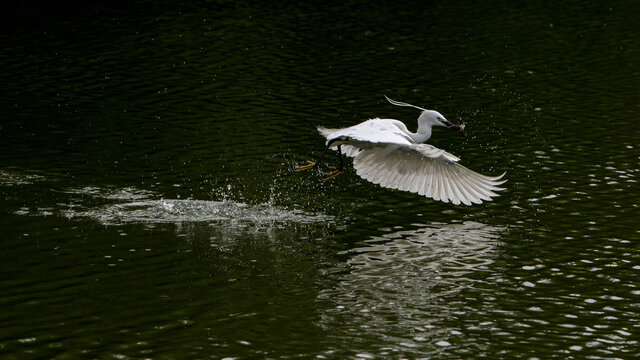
(150, 208)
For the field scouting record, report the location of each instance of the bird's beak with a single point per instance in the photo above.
(453, 126)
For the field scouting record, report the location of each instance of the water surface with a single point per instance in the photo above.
(150, 208)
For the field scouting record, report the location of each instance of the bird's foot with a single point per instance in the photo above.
(309, 165)
(332, 174)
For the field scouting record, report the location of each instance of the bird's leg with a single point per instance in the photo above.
(311, 164)
(335, 171)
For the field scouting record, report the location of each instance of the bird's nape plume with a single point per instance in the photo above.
(400, 103)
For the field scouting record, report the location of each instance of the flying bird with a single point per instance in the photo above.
(386, 153)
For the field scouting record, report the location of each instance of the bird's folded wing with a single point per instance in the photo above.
(372, 131)
(425, 170)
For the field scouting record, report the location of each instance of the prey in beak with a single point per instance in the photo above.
(453, 126)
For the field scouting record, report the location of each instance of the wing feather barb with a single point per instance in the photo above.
(453, 183)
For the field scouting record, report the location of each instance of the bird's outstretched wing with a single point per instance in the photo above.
(426, 170)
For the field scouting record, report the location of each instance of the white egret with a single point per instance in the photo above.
(386, 153)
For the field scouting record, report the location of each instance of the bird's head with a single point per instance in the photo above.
(429, 118)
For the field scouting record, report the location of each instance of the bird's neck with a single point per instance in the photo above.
(423, 134)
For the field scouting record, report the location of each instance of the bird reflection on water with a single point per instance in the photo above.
(406, 285)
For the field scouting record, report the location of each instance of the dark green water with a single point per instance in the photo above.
(149, 207)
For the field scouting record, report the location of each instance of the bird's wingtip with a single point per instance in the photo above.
(496, 178)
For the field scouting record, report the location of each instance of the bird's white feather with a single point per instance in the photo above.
(372, 131)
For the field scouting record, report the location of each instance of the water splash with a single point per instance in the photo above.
(130, 205)
(12, 178)
(194, 211)
(126, 193)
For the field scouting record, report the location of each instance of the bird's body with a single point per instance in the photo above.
(385, 152)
